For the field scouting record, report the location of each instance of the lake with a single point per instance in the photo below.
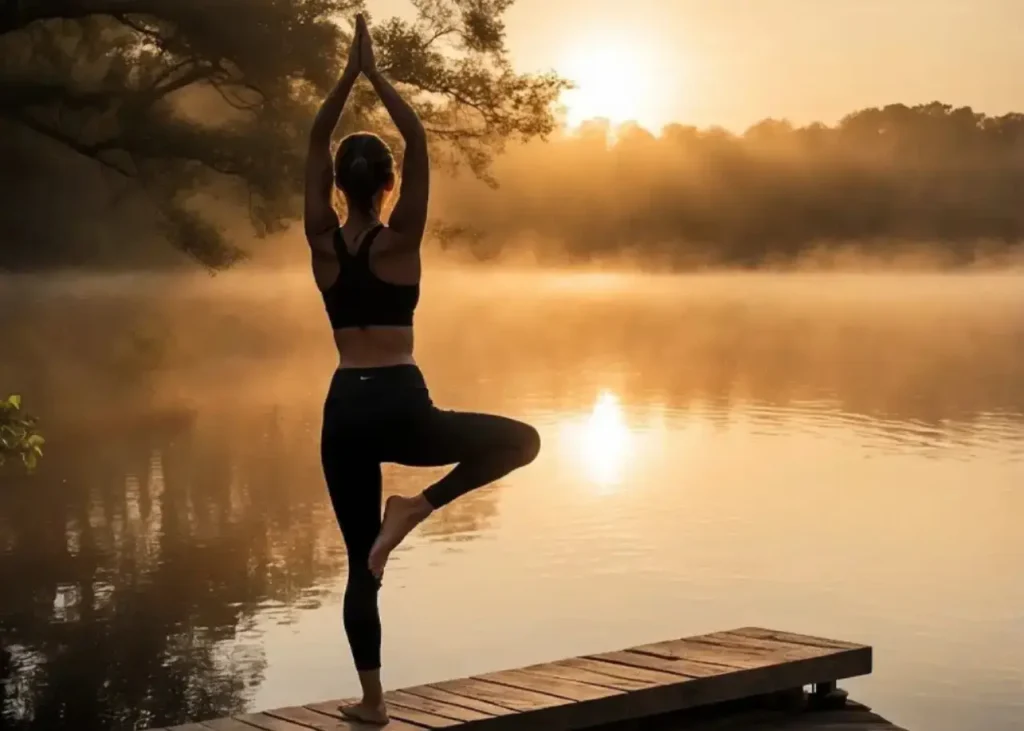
(839, 455)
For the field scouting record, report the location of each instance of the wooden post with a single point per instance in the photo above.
(828, 695)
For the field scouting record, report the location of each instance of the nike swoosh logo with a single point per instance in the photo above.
(365, 378)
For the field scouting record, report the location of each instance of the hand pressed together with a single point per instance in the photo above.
(361, 58)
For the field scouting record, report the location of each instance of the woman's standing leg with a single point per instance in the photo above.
(483, 448)
(354, 484)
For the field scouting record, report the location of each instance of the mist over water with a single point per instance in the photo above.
(840, 454)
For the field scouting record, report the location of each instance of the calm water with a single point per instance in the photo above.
(840, 456)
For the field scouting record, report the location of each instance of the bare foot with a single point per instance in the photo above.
(401, 515)
(366, 713)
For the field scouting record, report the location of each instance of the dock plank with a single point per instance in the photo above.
(568, 689)
(515, 699)
(681, 669)
(651, 678)
(269, 723)
(326, 716)
(695, 651)
(559, 671)
(798, 639)
(454, 699)
(308, 719)
(633, 685)
(399, 715)
(776, 648)
(436, 707)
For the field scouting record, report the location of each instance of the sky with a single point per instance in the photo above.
(734, 62)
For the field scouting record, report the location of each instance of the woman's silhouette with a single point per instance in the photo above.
(378, 408)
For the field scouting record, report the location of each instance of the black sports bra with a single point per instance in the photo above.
(358, 298)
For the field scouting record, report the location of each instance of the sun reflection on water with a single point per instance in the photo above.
(601, 441)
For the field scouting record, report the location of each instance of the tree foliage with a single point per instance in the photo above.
(19, 439)
(174, 97)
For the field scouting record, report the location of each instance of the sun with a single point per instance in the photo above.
(613, 81)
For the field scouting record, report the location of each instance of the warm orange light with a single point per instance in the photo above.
(613, 81)
(602, 441)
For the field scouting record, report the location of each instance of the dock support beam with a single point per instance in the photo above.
(828, 695)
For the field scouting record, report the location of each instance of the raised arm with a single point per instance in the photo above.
(320, 217)
(409, 216)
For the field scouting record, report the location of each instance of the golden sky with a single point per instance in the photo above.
(734, 62)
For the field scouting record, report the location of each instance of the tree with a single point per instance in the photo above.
(18, 436)
(172, 98)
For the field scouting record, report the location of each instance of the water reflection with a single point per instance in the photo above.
(177, 539)
(601, 441)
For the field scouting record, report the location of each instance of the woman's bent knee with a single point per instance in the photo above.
(527, 444)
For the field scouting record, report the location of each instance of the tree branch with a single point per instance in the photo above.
(427, 43)
(21, 13)
(93, 152)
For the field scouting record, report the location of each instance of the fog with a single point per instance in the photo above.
(97, 349)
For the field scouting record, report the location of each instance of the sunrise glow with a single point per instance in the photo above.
(614, 81)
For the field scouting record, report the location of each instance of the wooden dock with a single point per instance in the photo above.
(741, 679)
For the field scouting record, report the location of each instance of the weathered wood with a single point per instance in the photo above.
(326, 716)
(635, 686)
(269, 723)
(399, 715)
(776, 648)
(439, 708)
(311, 719)
(561, 671)
(694, 651)
(769, 634)
(681, 669)
(512, 698)
(568, 689)
(636, 674)
(445, 696)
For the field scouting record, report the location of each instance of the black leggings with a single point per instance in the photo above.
(375, 415)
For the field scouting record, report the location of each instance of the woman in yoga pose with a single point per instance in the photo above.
(378, 408)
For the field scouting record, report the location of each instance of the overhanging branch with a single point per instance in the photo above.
(93, 152)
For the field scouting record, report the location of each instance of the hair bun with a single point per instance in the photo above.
(359, 165)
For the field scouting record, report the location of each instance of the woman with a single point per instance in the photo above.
(378, 408)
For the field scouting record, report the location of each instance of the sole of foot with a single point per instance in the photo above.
(401, 515)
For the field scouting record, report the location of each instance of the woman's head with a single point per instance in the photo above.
(364, 170)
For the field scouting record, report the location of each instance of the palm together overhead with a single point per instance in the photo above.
(361, 58)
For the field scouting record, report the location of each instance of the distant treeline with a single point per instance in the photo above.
(947, 179)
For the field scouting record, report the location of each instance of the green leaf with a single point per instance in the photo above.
(35, 440)
(14, 401)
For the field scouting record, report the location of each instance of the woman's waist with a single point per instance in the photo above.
(375, 347)
(379, 388)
